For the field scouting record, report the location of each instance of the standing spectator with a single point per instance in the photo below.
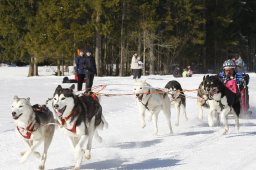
(141, 66)
(135, 66)
(240, 65)
(80, 69)
(90, 69)
(190, 72)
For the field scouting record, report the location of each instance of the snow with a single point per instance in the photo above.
(125, 145)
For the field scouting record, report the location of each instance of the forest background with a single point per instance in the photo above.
(165, 33)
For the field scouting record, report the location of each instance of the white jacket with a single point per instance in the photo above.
(134, 63)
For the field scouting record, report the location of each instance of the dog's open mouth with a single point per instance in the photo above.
(139, 96)
(16, 117)
(60, 112)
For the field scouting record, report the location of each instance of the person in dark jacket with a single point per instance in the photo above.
(90, 69)
(80, 69)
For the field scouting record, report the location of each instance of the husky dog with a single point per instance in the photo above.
(33, 124)
(228, 101)
(152, 100)
(204, 102)
(176, 95)
(79, 117)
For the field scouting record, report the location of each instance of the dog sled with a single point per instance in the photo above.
(243, 92)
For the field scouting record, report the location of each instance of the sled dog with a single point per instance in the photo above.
(204, 102)
(228, 101)
(33, 125)
(176, 95)
(152, 100)
(79, 117)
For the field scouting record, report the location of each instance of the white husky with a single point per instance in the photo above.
(152, 100)
(33, 125)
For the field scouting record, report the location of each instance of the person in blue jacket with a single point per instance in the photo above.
(90, 69)
(80, 69)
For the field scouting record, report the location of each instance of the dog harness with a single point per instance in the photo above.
(145, 105)
(29, 130)
(63, 121)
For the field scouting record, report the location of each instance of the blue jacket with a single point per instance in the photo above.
(240, 78)
(80, 65)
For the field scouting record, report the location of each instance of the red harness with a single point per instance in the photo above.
(63, 121)
(29, 130)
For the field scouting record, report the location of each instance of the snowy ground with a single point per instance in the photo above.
(193, 145)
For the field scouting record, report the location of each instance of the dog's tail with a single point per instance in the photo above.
(104, 123)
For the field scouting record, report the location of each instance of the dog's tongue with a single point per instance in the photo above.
(59, 113)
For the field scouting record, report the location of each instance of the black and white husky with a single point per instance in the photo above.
(228, 101)
(33, 125)
(152, 100)
(176, 95)
(79, 118)
(204, 102)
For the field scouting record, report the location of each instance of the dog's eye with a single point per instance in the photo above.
(54, 98)
(134, 88)
(20, 106)
(141, 88)
(63, 98)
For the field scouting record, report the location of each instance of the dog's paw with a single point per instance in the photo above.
(23, 159)
(41, 167)
(76, 168)
(22, 153)
(143, 124)
(87, 154)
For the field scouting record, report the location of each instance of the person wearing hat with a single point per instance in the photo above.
(235, 81)
(90, 69)
(80, 69)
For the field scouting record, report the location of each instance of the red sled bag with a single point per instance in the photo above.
(231, 85)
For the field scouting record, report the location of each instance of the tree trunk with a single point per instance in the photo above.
(98, 46)
(35, 67)
(31, 65)
(144, 52)
(121, 73)
(151, 55)
(58, 68)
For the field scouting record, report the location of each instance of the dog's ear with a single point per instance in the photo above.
(16, 98)
(58, 87)
(72, 87)
(28, 100)
(203, 78)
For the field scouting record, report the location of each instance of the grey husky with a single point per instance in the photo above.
(152, 100)
(79, 117)
(34, 125)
